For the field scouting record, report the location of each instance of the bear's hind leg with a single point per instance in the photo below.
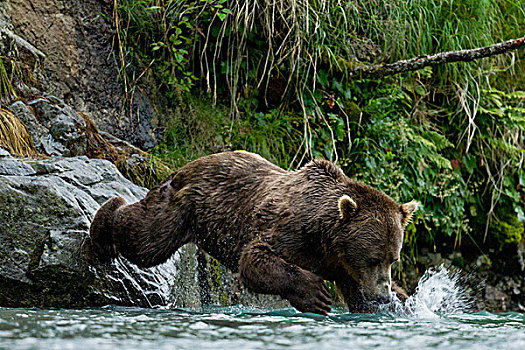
(101, 230)
(261, 271)
(149, 235)
(146, 233)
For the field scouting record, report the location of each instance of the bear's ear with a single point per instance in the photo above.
(407, 210)
(347, 206)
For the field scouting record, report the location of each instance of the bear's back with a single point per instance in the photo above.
(221, 192)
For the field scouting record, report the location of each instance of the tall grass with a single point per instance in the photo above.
(297, 37)
(14, 136)
(281, 67)
(241, 47)
(7, 92)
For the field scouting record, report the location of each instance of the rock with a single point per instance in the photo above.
(82, 65)
(4, 153)
(55, 128)
(496, 300)
(46, 207)
(4, 17)
(521, 255)
(428, 259)
(63, 128)
(37, 131)
(220, 286)
(22, 44)
(12, 166)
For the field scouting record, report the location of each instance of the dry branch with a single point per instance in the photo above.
(420, 62)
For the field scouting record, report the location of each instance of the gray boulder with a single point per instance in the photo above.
(58, 131)
(46, 207)
(4, 153)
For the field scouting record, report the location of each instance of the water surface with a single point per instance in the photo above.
(435, 318)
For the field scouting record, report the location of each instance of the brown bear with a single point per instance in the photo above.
(284, 232)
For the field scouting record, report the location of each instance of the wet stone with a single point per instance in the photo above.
(4, 153)
(45, 260)
(46, 207)
(12, 166)
(58, 128)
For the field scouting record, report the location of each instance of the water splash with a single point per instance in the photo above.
(171, 284)
(439, 293)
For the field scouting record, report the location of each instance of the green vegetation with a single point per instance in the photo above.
(7, 91)
(272, 77)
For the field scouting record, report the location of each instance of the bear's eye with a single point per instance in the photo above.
(373, 262)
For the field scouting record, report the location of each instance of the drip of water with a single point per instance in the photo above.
(438, 293)
(171, 284)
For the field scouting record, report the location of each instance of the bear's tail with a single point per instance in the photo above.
(102, 230)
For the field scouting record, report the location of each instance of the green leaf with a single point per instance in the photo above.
(499, 112)
(340, 130)
(522, 178)
(470, 163)
(338, 86)
(440, 141)
(221, 16)
(322, 77)
(517, 95)
(420, 90)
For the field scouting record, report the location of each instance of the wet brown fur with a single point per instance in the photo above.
(285, 232)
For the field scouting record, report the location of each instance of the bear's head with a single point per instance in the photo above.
(367, 240)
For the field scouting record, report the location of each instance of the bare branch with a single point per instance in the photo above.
(420, 62)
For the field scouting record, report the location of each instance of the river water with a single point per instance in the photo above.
(435, 317)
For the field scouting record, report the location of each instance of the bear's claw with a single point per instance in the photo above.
(311, 295)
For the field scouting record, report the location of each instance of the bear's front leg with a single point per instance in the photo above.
(262, 271)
